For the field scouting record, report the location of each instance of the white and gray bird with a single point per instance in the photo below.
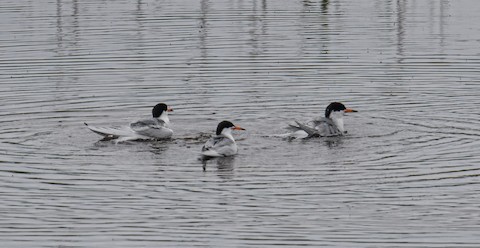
(154, 128)
(330, 125)
(222, 144)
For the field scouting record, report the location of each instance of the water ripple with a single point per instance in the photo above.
(405, 175)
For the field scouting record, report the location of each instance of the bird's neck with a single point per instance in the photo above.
(339, 123)
(227, 133)
(337, 118)
(164, 117)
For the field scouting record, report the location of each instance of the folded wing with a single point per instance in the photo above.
(111, 132)
(219, 147)
(153, 128)
(322, 127)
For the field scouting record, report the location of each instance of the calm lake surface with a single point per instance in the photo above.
(406, 175)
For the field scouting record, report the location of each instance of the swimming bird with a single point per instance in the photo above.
(223, 144)
(154, 128)
(330, 125)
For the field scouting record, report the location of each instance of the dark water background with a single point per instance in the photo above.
(407, 175)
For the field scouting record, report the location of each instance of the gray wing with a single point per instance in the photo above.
(210, 143)
(323, 127)
(326, 127)
(219, 146)
(153, 128)
(110, 132)
(309, 130)
(142, 124)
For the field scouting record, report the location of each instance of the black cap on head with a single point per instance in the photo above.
(334, 106)
(158, 109)
(222, 125)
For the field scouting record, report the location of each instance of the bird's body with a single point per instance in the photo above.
(219, 147)
(154, 128)
(222, 144)
(328, 126)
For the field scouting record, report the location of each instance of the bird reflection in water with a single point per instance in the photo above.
(225, 166)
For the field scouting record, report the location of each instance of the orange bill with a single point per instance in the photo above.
(238, 128)
(350, 110)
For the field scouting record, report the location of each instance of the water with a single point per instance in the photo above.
(406, 175)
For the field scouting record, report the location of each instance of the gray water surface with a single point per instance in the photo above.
(406, 175)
